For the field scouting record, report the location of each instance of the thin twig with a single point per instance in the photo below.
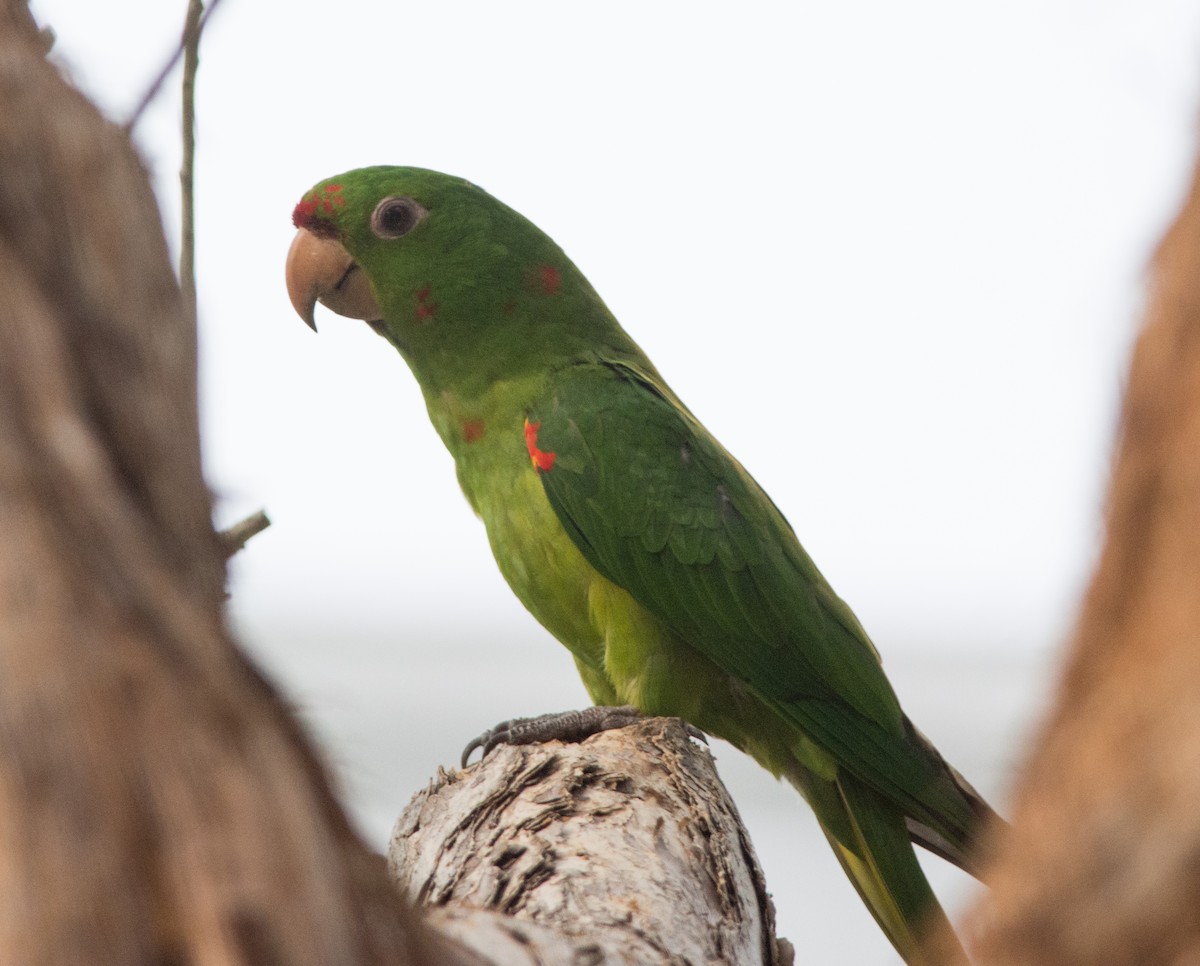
(154, 88)
(187, 242)
(237, 535)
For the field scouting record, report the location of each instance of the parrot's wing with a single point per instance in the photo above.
(661, 509)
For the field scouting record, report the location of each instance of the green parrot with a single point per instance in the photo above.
(627, 530)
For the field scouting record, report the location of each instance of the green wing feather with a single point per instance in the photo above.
(661, 509)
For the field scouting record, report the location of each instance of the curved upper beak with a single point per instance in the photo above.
(321, 270)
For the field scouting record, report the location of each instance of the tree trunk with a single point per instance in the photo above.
(157, 803)
(624, 849)
(1103, 863)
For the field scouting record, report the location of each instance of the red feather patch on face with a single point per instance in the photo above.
(425, 308)
(543, 461)
(551, 279)
(543, 279)
(302, 214)
(308, 213)
(472, 430)
(331, 198)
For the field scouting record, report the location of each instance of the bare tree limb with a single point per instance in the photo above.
(187, 176)
(157, 84)
(235, 537)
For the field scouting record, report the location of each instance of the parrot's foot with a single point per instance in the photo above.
(568, 726)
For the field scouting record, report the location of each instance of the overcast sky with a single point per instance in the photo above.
(891, 254)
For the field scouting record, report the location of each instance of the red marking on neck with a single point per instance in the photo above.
(426, 311)
(423, 293)
(472, 430)
(543, 461)
(550, 278)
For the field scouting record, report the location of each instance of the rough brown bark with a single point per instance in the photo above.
(157, 804)
(623, 849)
(1103, 863)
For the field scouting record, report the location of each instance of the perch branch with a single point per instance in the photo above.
(623, 849)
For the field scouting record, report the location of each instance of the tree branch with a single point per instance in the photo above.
(157, 84)
(187, 179)
(625, 848)
(236, 537)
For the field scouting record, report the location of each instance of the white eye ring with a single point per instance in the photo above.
(396, 216)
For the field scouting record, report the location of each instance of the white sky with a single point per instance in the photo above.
(890, 253)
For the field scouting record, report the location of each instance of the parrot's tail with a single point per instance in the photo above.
(959, 844)
(871, 840)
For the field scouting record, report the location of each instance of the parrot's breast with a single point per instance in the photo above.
(624, 653)
(539, 560)
(536, 556)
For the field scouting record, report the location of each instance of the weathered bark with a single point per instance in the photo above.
(625, 848)
(1103, 862)
(157, 804)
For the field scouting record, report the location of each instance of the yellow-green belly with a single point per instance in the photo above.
(625, 655)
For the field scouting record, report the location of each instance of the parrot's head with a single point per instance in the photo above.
(466, 288)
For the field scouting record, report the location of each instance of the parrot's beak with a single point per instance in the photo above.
(321, 270)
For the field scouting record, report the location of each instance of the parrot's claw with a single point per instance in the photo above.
(568, 726)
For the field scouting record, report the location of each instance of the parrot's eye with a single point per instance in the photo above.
(394, 217)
